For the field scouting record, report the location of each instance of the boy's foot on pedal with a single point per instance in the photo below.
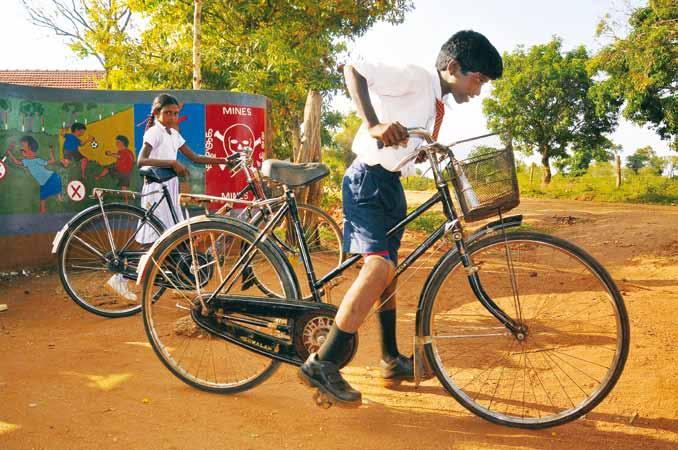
(398, 369)
(325, 376)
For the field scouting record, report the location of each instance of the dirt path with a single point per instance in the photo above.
(71, 380)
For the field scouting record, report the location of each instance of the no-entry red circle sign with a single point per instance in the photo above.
(76, 190)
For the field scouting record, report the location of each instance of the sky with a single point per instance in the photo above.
(507, 24)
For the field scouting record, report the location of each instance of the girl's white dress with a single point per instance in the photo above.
(164, 145)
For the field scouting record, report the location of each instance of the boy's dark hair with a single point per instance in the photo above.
(122, 139)
(473, 52)
(78, 126)
(32, 143)
(159, 103)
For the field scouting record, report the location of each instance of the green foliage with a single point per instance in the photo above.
(543, 103)
(645, 157)
(277, 49)
(91, 28)
(598, 183)
(642, 67)
(343, 137)
(427, 222)
(418, 183)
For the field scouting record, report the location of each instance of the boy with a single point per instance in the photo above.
(122, 168)
(373, 197)
(72, 144)
(49, 181)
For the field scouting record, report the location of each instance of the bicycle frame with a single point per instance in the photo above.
(452, 226)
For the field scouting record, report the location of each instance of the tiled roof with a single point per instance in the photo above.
(68, 79)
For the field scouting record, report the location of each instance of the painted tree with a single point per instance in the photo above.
(641, 67)
(30, 111)
(544, 102)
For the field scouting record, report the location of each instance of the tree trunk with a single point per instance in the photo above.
(546, 167)
(617, 171)
(197, 21)
(309, 150)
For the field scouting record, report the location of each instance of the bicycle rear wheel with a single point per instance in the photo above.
(210, 250)
(92, 275)
(575, 327)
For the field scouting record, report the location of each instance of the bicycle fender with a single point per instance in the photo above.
(56, 242)
(497, 225)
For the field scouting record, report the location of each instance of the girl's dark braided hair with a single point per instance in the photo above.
(159, 103)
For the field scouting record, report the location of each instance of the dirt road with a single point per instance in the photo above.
(71, 380)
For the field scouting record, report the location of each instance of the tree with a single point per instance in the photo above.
(642, 67)
(278, 49)
(97, 28)
(671, 166)
(197, 25)
(543, 101)
(645, 157)
(343, 138)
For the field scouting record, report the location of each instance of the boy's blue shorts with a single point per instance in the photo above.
(374, 202)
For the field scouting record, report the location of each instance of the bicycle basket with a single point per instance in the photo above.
(486, 184)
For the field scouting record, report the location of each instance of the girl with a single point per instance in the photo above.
(160, 145)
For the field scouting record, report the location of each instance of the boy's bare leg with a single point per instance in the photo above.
(388, 297)
(375, 275)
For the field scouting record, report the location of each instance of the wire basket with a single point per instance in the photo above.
(486, 184)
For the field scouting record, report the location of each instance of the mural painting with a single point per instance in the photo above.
(55, 148)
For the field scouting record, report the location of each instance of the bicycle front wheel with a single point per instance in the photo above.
(573, 339)
(95, 276)
(193, 262)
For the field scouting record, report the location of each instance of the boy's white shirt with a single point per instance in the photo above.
(405, 94)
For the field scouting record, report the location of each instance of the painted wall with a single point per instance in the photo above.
(48, 167)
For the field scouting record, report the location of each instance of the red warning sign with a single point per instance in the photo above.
(230, 129)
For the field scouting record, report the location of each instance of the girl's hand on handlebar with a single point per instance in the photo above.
(180, 169)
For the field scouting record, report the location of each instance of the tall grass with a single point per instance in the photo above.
(598, 183)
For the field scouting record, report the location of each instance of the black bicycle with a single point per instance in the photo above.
(522, 328)
(98, 250)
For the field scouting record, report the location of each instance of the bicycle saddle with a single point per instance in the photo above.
(294, 174)
(157, 174)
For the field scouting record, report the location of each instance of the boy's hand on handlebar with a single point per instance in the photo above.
(392, 133)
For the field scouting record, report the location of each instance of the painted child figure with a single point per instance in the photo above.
(49, 181)
(389, 100)
(72, 144)
(124, 163)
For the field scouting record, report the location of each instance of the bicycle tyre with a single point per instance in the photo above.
(87, 228)
(170, 339)
(467, 375)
